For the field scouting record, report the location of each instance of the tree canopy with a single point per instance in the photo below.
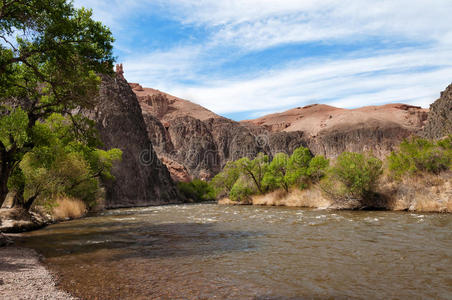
(51, 55)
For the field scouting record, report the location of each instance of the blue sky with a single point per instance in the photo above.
(244, 59)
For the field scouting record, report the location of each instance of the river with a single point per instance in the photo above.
(208, 251)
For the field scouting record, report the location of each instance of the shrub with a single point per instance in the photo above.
(223, 182)
(242, 190)
(197, 190)
(318, 167)
(420, 155)
(356, 176)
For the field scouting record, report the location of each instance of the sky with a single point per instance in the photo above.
(244, 59)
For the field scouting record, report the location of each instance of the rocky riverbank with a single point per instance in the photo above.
(22, 276)
(14, 220)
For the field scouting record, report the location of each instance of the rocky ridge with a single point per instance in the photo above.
(140, 178)
(439, 122)
(200, 142)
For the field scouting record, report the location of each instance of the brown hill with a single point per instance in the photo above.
(317, 118)
(195, 142)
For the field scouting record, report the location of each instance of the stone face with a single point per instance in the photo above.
(202, 142)
(140, 178)
(439, 122)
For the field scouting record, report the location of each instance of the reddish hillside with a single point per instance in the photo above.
(313, 119)
(195, 142)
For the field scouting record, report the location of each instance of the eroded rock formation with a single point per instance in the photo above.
(439, 122)
(202, 142)
(140, 178)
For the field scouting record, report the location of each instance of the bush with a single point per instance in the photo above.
(420, 155)
(318, 167)
(223, 182)
(356, 176)
(242, 190)
(197, 191)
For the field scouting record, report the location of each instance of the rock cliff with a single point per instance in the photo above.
(439, 122)
(201, 142)
(140, 178)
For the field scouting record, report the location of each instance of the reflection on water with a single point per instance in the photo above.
(223, 252)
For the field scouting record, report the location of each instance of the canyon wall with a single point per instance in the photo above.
(196, 143)
(140, 178)
(439, 123)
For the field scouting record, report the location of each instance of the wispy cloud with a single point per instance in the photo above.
(395, 51)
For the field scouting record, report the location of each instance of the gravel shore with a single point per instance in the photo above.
(22, 276)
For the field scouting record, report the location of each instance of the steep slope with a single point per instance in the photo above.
(140, 178)
(201, 142)
(193, 141)
(439, 122)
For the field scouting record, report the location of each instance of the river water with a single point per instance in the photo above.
(208, 251)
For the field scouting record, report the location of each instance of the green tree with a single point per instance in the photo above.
(50, 55)
(197, 190)
(419, 155)
(358, 175)
(298, 165)
(255, 169)
(318, 167)
(242, 190)
(61, 162)
(278, 175)
(225, 180)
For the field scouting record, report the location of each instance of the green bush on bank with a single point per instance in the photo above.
(197, 190)
(354, 176)
(246, 177)
(62, 163)
(419, 155)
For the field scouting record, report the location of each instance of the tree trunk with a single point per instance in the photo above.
(27, 204)
(4, 176)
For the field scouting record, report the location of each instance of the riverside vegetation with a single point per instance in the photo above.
(415, 177)
(51, 57)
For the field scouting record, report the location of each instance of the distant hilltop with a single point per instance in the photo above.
(194, 142)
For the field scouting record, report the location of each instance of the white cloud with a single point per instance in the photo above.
(345, 83)
(413, 75)
(257, 24)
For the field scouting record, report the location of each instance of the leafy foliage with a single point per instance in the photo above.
(242, 190)
(245, 177)
(197, 190)
(255, 169)
(318, 167)
(357, 175)
(62, 164)
(419, 155)
(223, 182)
(278, 175)
(50, 56)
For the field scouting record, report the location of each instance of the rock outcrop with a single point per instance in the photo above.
(202, 142)
(439, 122)
(140, 178)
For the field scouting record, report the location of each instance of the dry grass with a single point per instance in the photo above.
(69, 208)
(227, 201)
(311, 198)
(427, 193)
